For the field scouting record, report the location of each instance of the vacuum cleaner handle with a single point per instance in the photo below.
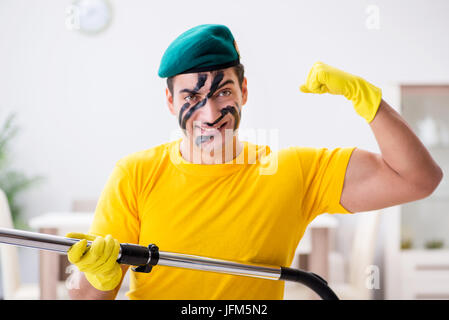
(151, 256)
(147, 257)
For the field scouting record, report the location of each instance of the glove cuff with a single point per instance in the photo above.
(367, 100)
(105, 281)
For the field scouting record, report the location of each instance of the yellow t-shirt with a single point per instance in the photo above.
(254, 209)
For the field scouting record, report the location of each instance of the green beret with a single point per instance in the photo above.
(203, 48)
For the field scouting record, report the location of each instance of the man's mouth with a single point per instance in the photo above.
(206, 134)
(211, 131)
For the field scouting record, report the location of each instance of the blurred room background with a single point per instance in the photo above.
(83, 88)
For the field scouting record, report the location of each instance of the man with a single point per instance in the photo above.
(210, 194)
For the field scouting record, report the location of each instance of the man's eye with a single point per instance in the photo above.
(225, 93)
(190, 97)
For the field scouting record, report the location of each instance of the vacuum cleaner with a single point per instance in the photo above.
(143, 259)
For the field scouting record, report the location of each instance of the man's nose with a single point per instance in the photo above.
(209, 113)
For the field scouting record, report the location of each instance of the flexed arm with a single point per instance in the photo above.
(403, 172)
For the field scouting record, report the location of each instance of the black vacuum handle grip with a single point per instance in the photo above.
(133, 254)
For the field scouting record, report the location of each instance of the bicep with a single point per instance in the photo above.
(371, 184)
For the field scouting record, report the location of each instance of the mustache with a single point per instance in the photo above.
(228, 109)
(233, 110)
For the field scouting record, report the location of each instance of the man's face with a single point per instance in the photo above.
(208, 107)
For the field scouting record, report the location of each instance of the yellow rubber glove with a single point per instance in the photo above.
(365, 97)
(98, 262)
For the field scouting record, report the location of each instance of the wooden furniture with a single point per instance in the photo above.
(49, 262)
(313, 250)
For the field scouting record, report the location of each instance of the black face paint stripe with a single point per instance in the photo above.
(191, 111)
(214, 86)
(224, 112)
(235, 111)
(183, 109)
(237, 115)
(215, 82)
(200, 83)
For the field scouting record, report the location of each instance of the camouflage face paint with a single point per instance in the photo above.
(233, 110)
(215, 85)
(201, 81)
(213, 88)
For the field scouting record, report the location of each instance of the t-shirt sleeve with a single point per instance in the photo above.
(116, 212)
(323, 173)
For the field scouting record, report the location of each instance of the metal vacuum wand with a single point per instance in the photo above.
(144, 258)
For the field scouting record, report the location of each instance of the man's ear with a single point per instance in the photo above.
(244, 91)
(170, 102)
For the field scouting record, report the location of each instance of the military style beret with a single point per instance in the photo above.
(205, 47)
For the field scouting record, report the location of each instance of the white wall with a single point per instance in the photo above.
(85, 101)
